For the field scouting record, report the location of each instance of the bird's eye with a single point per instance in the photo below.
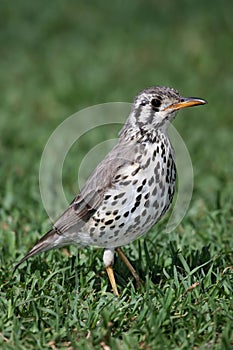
(144, 102)
(155, 102)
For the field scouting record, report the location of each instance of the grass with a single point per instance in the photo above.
(57, 58)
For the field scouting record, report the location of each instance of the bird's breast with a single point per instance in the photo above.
(141, 193)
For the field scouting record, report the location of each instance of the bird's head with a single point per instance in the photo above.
(155, 107)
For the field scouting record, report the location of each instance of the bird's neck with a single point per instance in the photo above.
(142, 133)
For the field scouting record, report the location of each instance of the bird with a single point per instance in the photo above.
(132, 187)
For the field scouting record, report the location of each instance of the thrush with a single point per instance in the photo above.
(131, 189)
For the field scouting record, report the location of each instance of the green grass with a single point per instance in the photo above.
(59, 57)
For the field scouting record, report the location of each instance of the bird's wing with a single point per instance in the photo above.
(92, 194)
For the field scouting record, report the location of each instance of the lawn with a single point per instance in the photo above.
(60, 57)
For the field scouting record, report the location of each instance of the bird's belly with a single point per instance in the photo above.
(133, 206)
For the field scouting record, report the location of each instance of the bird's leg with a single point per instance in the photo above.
(111, 277)
(108, 259)
(130, 267)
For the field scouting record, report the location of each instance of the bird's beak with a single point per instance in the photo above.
(186, 102)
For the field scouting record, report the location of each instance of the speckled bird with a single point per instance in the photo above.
(131, 189)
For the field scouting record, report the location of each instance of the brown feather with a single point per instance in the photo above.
(42, 245)
(92, 194)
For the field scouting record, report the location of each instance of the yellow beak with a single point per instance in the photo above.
(186, 102)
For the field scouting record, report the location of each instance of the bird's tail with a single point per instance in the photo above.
(50, 240)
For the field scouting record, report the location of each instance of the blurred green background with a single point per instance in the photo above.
(58, 57)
